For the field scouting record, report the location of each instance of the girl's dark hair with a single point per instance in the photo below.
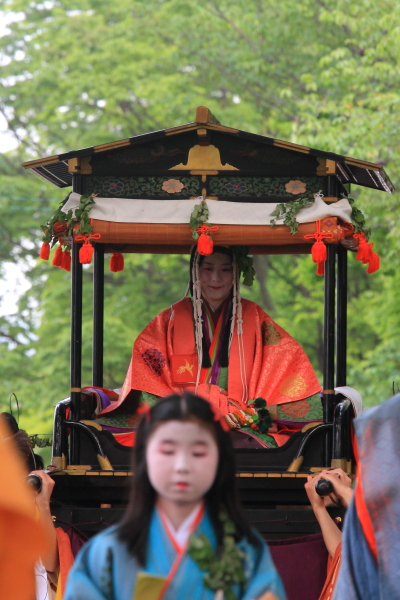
(134, 527)
(23, 444)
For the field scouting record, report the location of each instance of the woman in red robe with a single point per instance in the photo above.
(225, 349)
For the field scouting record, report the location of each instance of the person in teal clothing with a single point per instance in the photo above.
(184, 534)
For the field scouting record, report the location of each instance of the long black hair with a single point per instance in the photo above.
(224, 355)
(134, 527)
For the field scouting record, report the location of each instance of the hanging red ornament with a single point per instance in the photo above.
(66, 261)
(86, 251)
(45, 251)
(57, 259)
(116, 262)
(60, 227)
(318, 250)
(374, 263)
(364, 252)
(320, 268)
(205, 244)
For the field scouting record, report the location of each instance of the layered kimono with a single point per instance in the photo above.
(104, 569)
(274, 366)
(370, 567)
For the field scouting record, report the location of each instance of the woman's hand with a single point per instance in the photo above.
(43, 497)
(316, 501)
(341, 484)
(50, 560)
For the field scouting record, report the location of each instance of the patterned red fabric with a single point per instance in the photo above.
(277, 368)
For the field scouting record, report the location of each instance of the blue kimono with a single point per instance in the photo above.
(104, 570)
(366, 574)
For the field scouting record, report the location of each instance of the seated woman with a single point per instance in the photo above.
(223, 348)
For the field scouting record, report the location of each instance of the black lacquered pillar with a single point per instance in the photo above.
(329, 333)
(98, 316)
(341, 319)
(76, 336)
(329, 349)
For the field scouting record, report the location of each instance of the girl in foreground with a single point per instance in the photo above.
(184, 534)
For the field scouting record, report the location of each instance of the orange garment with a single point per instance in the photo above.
(277, 369)
(22, 539)
(66, 559)
(333, 571)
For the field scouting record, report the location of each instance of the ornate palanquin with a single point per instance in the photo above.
(205, 158)
(247, 175)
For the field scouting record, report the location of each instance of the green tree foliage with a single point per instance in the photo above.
(79, 74)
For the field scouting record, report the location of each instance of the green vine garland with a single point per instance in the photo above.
(61, 225)
(245, 264)
(357, 218)
(223, 569)
(40, 442)
(288, 212)
(199, 217)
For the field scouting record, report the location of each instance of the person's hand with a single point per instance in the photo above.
(43, 497)
(316, 501)
(341, 484)
(50, 559)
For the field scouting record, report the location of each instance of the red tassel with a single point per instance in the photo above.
(318, 251)
(86, 253)
(205, 245)
(320, 268)
(66, 261)
(364, 252)
(45, 251)
(374, 264)
(57, 259)
(116, 262)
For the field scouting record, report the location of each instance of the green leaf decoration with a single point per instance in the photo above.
(223, 569)
(81, 217)
(199, 217)
(358, 218)
(245, 264)
(288, 212)
(40, 442)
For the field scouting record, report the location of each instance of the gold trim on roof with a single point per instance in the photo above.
(362, 163)
(204, 115)
(181, 128)
(290, 146)
(221, 128)
(326, 166)
(204, 158)
(31, 164)
(112, 145)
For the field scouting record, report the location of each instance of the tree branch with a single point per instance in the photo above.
(261, 264)
(296, 286)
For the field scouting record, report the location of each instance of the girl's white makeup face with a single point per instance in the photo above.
(216, 278)
(182, 461)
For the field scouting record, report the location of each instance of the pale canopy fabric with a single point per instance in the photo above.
(127, 210)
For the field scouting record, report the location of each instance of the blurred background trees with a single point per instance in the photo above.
(76, 74)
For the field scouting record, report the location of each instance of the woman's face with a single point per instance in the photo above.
(216, 278)
(182, 461)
